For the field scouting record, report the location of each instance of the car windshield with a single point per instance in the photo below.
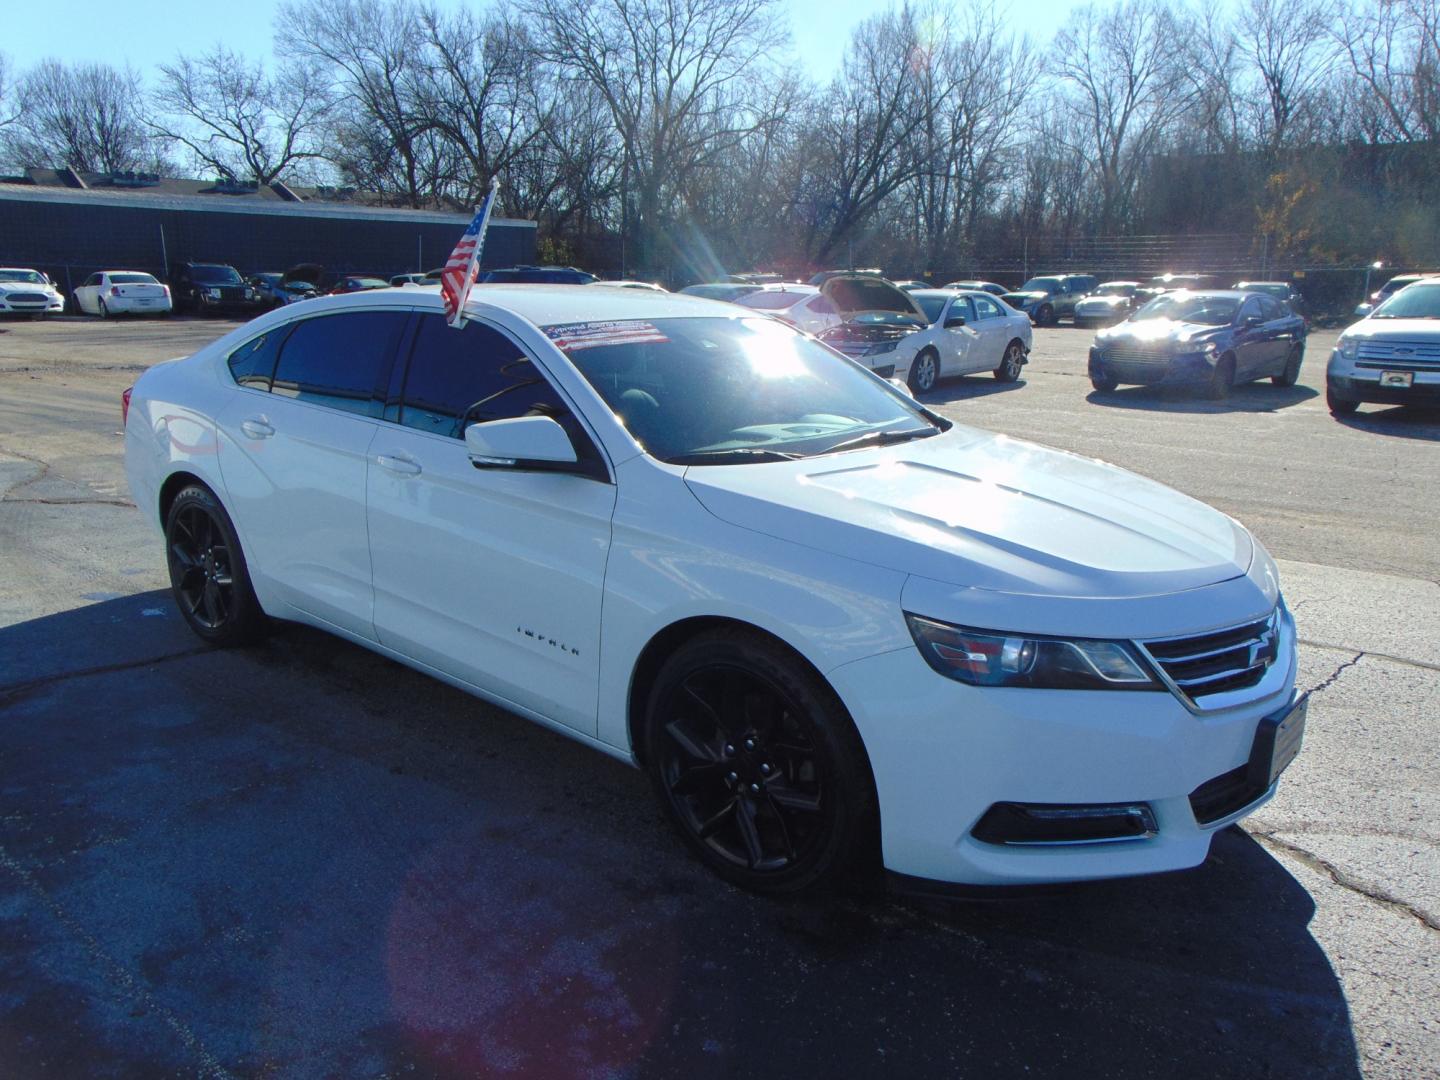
(216, 275)
(131, 279)
(1041, 284)
(721, 391)
(27, 277)
(368, 283)
(931, 305)
(772, 299)
(1187, 307)
(1415, 302)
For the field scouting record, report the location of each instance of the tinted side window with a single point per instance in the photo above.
(1270, 308)
(1249, 308)
(961, 308)
(338, 360)
(253, 363)
(821, 305)
(472, 375)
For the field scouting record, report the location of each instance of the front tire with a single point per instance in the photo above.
(1011, 363)
(1339, 406)
(1045, 315)
(208, 575)
(758, 765)
(1222, 379)
(924, 371)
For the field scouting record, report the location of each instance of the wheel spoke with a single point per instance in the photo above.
(780, 821)
(688, 686)
(793, 800)
(749, 833)
(698, 750)
(731, 714)
(210, 599)
(714, 821)
(186, 559)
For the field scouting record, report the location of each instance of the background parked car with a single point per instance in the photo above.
(204, 288)
(1110, 303)
(652, 286)
(399, 280)
(981, 286)
(1281, 290)
(1212, 340)
(352, 283)
(537, 275)
(28, 292)
(720, 290)
(1389, 289)
(911, 285)
(1391, 357)
(122, 292)
(275, 291)
(1050, 297)
(801, 306)
(965, 333)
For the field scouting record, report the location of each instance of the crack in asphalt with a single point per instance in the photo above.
(1318, 863)
(1424, 665)
(45, 467)
(13, 691)
(1330, 679)
(118, 975)
(71, 502)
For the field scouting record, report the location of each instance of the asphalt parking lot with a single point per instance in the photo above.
(302, 860)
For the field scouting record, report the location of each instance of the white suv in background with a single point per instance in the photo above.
(1392, 356)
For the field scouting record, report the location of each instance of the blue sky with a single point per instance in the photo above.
(146, 32)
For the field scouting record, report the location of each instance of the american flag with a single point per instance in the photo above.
(464, 261)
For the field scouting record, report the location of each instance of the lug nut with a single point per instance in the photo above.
(732, 777)
(729, 749)
(765, 768)
(749, 744)
(755, 788)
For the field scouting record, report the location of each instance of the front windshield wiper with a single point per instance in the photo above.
(733, 456)
(882, 438)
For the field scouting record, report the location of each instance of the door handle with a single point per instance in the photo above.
(257, 429)
(398, 465)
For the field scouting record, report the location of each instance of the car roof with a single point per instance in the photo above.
(1135, 283)
(1232, 294)
(1257, 284)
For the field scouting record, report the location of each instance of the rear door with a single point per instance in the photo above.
(993, 331)
(86, 294)
(293, 451)
(491, 575)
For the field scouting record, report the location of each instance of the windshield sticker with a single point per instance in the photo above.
(572, 337)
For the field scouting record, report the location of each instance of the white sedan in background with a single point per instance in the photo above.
(28, 292)
(833, 626)
(968, 332)
(123, 292)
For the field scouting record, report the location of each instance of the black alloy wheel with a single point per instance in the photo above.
(1290, 374)
(758, 766)
(1011, 362)
(924, 371)
(1339, 406)
(208, 575)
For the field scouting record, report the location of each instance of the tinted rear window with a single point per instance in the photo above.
(338, 360)
(132, 279)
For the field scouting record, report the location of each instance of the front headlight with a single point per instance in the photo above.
(883, 347)
(990, 658)
(212, 292)
(1348, 348)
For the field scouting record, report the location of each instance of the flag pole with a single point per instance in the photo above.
(474, 264)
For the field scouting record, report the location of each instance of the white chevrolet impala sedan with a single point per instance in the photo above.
(837, 630)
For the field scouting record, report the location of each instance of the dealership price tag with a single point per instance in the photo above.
(572, 337)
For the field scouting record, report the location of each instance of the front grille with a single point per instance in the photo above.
(1214, 663)
(1223, 795)
(1139, 352)
(1399, 355)
(27, 298)
(232, 292)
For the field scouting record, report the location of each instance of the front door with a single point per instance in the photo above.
(494, 575)
(957, 343)
(994, 334)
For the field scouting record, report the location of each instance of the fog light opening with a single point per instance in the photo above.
(1040, 824)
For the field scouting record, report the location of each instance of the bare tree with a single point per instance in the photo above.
(682, 80)
(1122, 74)
(8, 111)
(1288, 46)
(87, 117)
(1393, 48)
(236, 119)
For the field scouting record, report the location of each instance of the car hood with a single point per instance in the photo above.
(1387, 329)
(24, 286)
(1161, 331)
(865, 294)
(988, 512)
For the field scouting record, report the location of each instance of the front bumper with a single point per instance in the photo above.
(1185, 369)
(51, 305)
(943, 753)
(1352, 383)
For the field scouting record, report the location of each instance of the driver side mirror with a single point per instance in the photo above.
(1251, 321)
(518, 442)
(954, 321)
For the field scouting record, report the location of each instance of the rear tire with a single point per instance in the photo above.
(1291, 373)
(1011, 363)
(1045, 316)
(1103, 383)
(758, 765)
(104, 312)
(208, 575)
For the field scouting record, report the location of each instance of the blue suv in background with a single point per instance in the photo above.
(1209, 340)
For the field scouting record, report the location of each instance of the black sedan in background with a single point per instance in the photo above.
(1208, 340)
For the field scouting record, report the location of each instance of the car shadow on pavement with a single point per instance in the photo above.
(1250, 397)
(1398, 421)
(964, 387)
(301, 859)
